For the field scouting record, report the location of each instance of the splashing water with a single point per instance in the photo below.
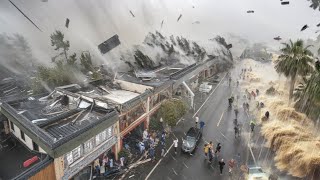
(290, 134)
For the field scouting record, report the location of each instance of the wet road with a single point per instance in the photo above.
(219, 128)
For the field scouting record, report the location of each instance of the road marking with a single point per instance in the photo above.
(158, 162)
(209, 96)
(173, 157)
(224, 136)
(185, 165)
(175, 172)
(254, 159)
(181, 119)
(220, 119)
(261, 149)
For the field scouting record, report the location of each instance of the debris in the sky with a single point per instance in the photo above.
(25, 15)
(132, 13)
(109, 44)
(44, 0)
(317, 31)
(277, 38)
(179, 17)
(318, 25)
(250, 11)
(304, 27)
(67, 22)
(196, 22)
(285, 3)
(229, 46)
(192, 6)
(161, 24)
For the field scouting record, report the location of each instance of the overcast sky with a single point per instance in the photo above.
(93, 21)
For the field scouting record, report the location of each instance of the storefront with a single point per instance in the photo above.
(85, 154)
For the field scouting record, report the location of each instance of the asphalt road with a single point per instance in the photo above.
(219, 128)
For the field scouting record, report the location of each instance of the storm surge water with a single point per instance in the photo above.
(290, 134)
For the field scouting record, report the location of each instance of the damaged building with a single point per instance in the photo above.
(73, 131)
(75, 125)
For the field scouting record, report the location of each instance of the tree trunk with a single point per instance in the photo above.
(292, 83)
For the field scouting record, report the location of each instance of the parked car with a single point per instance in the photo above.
(205, 87)
(191, 140)
(256, 173)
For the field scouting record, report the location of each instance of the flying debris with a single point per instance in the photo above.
(109, 44)
(44, 0)
(192, 6)
(179, 17)
(285, 3)
(67, 22)
(250, 11)
(196, 22)
(304, 27)
(229, 46)
(318, 25)
(132, 13)
(317, 31)
(161, 24)
(25, 15)
(277, 38)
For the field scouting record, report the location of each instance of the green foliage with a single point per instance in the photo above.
(72, 59)
(307, 95)
(58, 42)
(64, 71)
(172, 110)
(86, 62)
(155, 123)
(295, 60)
(123, 153)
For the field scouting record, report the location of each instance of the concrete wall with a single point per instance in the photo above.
(129, 86)
(27, 141)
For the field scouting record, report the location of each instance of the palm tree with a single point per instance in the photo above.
(308, 94)
(295, 60)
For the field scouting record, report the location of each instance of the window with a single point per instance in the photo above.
(109, 132)
(87, 146)
(69, 158)
(101, 137)
(35, 146)
(76, 153)
(22, 135)
(12, 125)
(73, 155)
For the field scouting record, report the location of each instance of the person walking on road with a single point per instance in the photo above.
(218, 148)
(252, 125)
(202, 124)
(206, 150)
(236, 131)
(236, 111)
(231, 165)
(175, 144)
(221, 165)
(197, 120)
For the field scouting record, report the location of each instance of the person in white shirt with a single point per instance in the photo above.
(145, 135)
(175, 144)
(197, 120)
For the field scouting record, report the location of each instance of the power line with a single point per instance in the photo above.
(25, 15)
